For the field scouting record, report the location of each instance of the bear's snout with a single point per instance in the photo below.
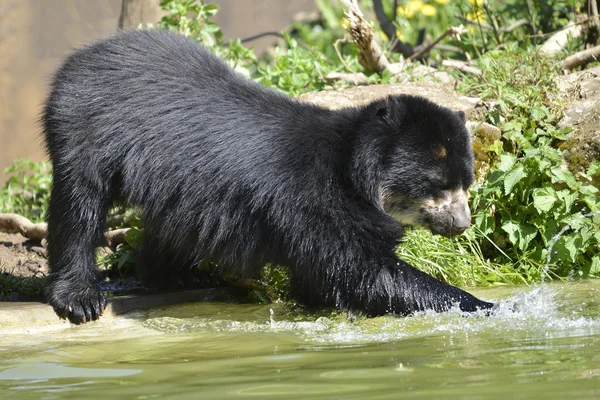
(449, 215)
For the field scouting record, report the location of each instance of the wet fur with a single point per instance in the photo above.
(229, 171)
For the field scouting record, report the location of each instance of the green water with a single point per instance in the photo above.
(549, 347)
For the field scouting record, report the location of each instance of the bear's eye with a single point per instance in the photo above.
(438, 183)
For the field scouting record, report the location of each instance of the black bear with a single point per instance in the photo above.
(226, 170)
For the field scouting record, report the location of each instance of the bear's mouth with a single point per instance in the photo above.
(446, 215)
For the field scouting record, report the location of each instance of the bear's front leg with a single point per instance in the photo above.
(75, 226)
(391, 286)
(402, 289)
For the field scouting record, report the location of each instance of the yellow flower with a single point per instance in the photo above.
(428, 10)
(410, 9)
(442, 2)
(476, 15)
(399, 35)
(477, 3)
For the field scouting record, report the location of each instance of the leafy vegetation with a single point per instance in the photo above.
(530, 194)
(527, 202)
(27, 189)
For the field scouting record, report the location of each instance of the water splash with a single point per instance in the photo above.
(536, 313)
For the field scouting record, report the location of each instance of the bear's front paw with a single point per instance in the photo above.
(469, 303)
(78, 302)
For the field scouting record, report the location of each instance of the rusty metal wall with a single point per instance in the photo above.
(35, 35)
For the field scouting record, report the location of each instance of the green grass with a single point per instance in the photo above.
(458, 261)
(31, 287)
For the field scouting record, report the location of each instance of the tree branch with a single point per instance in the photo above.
(371, 57)
(462, 67)
(581, 58)
(15, 223)
(452, 31)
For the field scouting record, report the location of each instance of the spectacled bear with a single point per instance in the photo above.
(226, 170)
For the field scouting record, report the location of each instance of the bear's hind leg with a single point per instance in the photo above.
(76, 218)
(158, 265)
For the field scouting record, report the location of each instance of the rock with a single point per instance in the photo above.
(582, 93)
(360, 95)
(430, 74)
(484, 135)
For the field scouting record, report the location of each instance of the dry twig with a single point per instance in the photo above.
(355, 78)
(371, 57)
(581, 58)
(336, 46)
(517, 24)
(462, 67)
(452, 31)
(15, 223)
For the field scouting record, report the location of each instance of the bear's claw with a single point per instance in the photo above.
(79, 304)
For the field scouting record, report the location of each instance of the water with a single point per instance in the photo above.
(543, 343)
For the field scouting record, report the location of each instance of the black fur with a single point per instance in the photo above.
(229, 171)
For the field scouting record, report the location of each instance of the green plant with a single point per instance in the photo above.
(31, 287)
(27, 189)
(459, 261)
(192, 18)
(295, 70)
(125, 255)
(529, 194)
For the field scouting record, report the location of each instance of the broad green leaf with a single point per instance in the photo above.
(572, 244)
(514, 125)
(512, 178)
(594, 168)
(548, 229)
(520, 235)
(569, 198)
(595, 267)
(485, 223)
(544, 199)
(513, 232)
(506, 162)
(588, 190)
(528, 233)
(560, 175)
(133, 237)
(495, 147)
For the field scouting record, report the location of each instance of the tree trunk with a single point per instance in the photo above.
(136, 12)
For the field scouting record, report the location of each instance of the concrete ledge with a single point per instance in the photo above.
(39, 315)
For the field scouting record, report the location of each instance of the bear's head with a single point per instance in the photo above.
(425, 162)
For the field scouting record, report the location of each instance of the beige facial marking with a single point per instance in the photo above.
(448, 197)
(441, 152)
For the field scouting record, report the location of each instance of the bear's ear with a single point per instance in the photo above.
(382, 111)
(462, 116)
(382, 108)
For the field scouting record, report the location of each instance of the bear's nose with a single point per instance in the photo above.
(460, 224)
